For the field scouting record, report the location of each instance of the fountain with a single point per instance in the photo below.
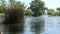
(45, 14)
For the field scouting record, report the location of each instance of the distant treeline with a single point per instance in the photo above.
(36, 8)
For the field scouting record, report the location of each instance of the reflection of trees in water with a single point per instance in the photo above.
(14, 21)
(15, 29)
(37, 27)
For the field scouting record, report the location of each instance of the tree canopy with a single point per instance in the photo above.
(28, 12)
(58, 9)
(37, 6)
(51, 12)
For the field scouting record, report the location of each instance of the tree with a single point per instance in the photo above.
(37, 6)
(1, 9)
(2, 6)
(28, 12)
(19, 4)
(14, 17)
(58, 9)
(51, 12)
(3, 2)
(46, 8)
(12, 2)
(57, 13)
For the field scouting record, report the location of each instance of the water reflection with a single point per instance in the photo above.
(13, 22)
(37, 25)
(49, 25)
(13, 29)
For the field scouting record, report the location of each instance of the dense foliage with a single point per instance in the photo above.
(14, 16)
(28, 12)
(51, 12)
(37, 6)
(58, 9)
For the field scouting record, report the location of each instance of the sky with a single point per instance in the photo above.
(48, 3)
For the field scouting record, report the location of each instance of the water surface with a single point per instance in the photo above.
(38, 25)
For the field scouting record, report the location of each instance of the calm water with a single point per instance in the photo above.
(41, 25)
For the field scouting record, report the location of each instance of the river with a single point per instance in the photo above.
(42, 25)
(48, 25)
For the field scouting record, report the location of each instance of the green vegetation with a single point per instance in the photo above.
(37, 6)
(28, 12)
(14, 16)
(58, 9)
(58, 12)
(51, 12)
(14, 12)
